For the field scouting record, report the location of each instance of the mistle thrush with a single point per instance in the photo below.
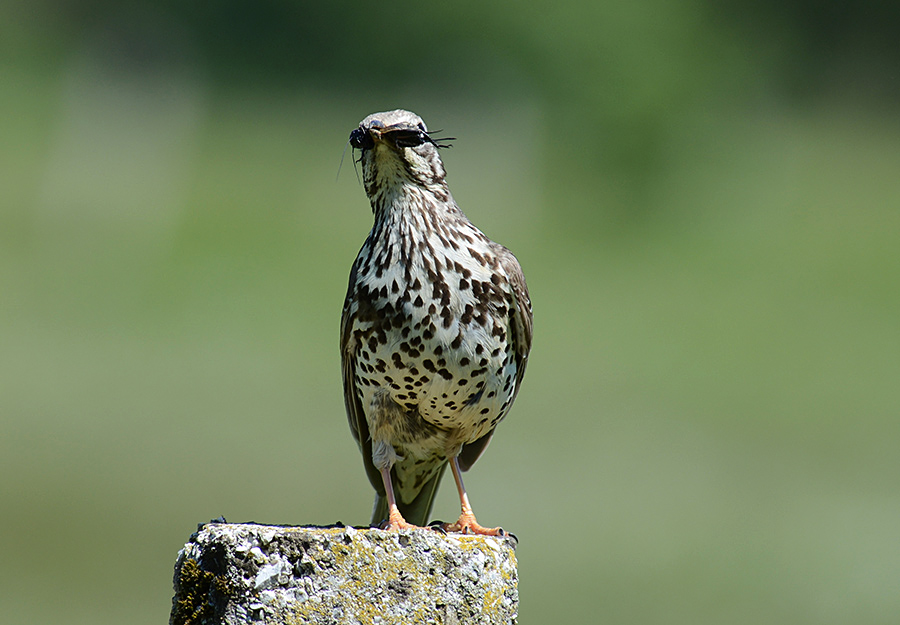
(435, 331)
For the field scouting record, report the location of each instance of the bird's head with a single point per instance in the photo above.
(397, 149)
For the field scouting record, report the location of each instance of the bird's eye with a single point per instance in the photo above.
(361, 140)
(410, 138)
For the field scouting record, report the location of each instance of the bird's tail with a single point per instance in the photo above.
(416, 511)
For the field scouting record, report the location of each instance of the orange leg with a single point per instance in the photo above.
(395, 520)
(466, 524)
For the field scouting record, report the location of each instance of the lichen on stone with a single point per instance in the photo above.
(241, 573)
(193, 603)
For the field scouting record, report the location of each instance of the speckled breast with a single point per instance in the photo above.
(435, 334)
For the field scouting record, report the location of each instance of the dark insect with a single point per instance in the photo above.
(361, 140)
(402, 138)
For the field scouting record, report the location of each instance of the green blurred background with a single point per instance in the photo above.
(705, 197)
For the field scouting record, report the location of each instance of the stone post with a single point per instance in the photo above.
(247, 573)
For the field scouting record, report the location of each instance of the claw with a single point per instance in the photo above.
(466, 524)
(438, 526)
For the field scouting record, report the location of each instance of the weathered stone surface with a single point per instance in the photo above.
(245, 573)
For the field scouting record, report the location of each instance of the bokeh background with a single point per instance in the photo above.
(705, 197)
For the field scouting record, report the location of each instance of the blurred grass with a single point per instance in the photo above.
(706, 433)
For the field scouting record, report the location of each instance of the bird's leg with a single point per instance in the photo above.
(466, 524)
(395, 520)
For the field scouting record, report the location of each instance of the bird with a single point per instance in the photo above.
(436, 328)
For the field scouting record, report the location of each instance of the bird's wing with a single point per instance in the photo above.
(520, 334)
(355, 414)
(523, 318)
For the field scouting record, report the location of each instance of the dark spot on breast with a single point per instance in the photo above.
(445, 374)
(474, 398)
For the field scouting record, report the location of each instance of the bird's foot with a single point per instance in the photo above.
(395, 522)
(466, 524)
(397, 526)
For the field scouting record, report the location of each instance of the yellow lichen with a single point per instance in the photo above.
(193, 602)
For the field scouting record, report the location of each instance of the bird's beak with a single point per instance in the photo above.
(375, 130)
